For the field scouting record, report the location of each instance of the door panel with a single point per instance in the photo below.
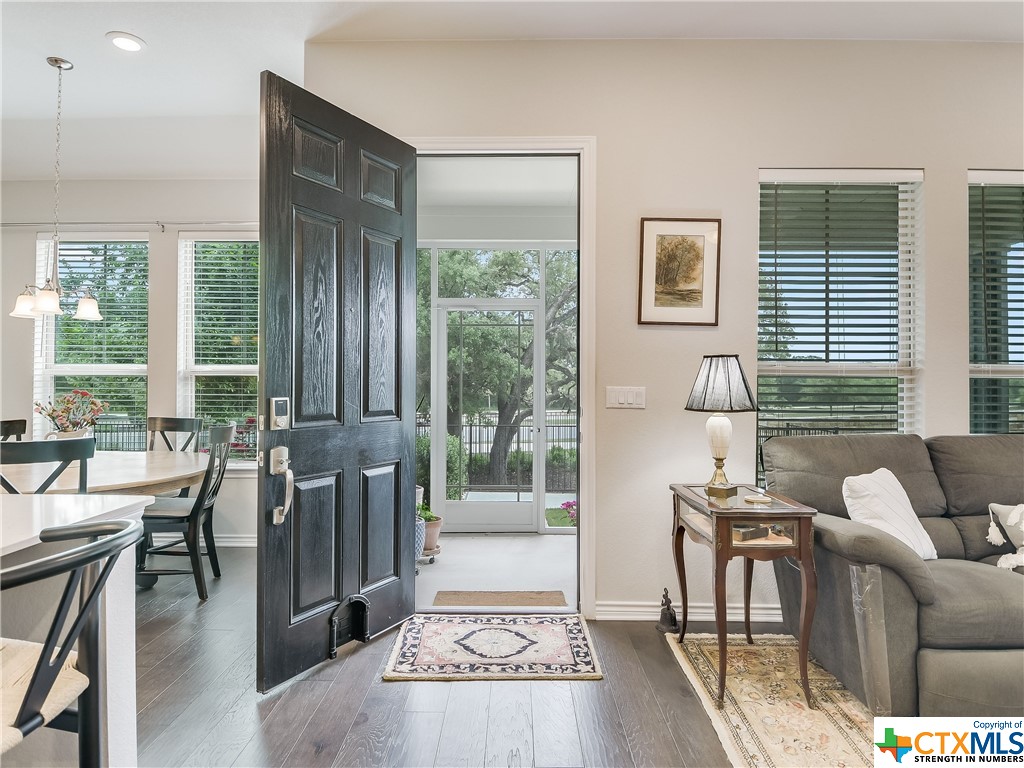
(337, 274)
(381, 268)
(317, 240)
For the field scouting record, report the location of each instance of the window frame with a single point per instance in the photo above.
(1013, 372)
(187, 369)
(45, 368)
(906, 368)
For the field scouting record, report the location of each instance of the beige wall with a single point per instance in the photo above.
(682, 128)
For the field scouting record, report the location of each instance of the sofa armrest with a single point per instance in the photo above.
(863, 544)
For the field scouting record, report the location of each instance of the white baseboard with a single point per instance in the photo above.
(225, 540)
(606, 610)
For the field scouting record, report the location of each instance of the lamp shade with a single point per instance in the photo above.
(47, 300)
(88, 309)
(25, 306)
(721, 387)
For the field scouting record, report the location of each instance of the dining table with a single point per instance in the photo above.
(117, 472)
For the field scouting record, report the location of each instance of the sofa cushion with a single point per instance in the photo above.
(947, 539)
(877, 499)
(811, 469)
(976, 606)
(970, 683)
(976, 470)
(973, 530)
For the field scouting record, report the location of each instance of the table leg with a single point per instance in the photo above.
(677, 549)
(808, 600)
(748, 578)
(721, 561)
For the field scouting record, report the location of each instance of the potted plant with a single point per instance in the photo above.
(432, 523)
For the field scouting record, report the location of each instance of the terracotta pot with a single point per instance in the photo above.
(433, 531)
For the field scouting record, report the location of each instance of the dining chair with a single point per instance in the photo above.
(13, 428)
(187, 517)
(162, 425)
(47, 683)
(48, 451)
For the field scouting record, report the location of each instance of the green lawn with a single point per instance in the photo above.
(557, 517)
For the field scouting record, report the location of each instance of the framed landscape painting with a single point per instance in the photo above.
(679, 271)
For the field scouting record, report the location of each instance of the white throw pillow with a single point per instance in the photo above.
(879, 500)
(1014, 530)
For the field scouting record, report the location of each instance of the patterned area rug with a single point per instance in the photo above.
(454, 647)
(765, 720)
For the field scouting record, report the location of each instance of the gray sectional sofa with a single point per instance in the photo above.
(909, 636)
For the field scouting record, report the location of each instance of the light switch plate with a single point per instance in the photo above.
(625, 397)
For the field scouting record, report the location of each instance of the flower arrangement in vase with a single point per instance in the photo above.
(75, 411)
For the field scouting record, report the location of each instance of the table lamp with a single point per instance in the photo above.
(720, 388)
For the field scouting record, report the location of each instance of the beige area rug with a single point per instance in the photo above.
(432, 646)
(527, 598)
(765, 720)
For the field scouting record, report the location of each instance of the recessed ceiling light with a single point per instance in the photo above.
(126, 41)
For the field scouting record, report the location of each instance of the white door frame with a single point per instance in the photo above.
(585, 147)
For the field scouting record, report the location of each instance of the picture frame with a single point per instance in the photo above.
(679, 271)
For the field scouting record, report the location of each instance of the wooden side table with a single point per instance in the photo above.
(733, 527)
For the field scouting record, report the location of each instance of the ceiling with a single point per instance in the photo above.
(199, 71)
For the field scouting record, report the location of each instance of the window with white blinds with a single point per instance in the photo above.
(996, 264)
(219, 332)
(107, 358)
(838, 303)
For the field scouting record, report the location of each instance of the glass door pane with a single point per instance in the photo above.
(490, 432)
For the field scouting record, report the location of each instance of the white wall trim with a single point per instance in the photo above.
(1008, 178)
(585, 147)
(608, 610)
(839, 175)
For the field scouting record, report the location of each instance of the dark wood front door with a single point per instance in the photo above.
(337, 338)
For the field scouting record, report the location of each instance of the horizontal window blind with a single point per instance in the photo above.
(224, 399)
(838, 307)
(996, 274)
(125, 394)
(117, 273)
(829, 267)
(226, 300)
(997, 405)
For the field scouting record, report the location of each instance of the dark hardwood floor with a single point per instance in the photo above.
(198, 705)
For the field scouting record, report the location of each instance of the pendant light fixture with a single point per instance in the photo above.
(34, 301)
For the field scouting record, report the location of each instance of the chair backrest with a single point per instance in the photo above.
(13, 428)
(47, 451)
(117, 535)
(220, 448)
(161, 425)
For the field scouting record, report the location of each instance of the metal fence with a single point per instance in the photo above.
(123, 434)
(476, 437)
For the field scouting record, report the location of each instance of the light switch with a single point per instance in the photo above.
(625, 397)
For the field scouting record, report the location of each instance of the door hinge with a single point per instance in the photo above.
(259, 458)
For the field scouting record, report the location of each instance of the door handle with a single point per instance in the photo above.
(279, 466)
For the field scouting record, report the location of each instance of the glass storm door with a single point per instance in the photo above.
(491, 430)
